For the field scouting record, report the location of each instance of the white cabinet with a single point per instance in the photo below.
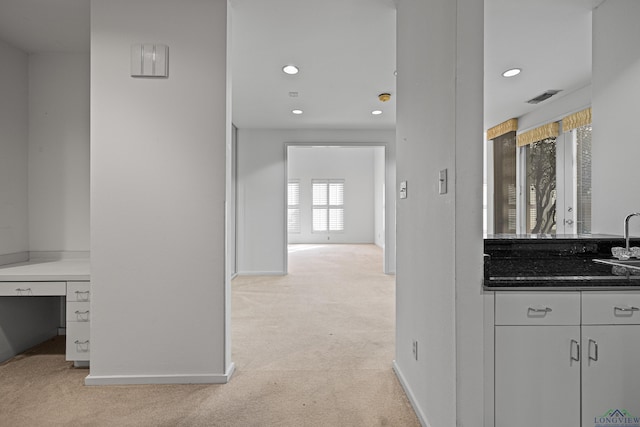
(536, 379)
(78, 322)
(558, 352)
(610, 356)
(537, 359)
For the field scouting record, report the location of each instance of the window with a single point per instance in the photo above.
(541, 186)
(552, 174)
(504, 192)
(583, 178)
(293, 201)
(328, 205)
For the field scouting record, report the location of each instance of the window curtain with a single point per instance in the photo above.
(550, 130)
(510, 125)
(576, 120)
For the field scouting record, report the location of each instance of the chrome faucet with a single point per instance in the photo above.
(626, 228)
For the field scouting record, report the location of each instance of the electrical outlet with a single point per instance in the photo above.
(415, 349)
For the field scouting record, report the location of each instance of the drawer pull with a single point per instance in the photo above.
(539, 309)
(575, 358)
(82, 315)
(82, 295)
(82, 345)
(595, 356)
(21, 290)
(626, 309)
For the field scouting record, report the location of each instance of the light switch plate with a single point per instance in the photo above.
(442, 181)
(403, 190)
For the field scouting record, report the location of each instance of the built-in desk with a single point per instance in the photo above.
(69, 278)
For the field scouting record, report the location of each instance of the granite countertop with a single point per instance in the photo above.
(554, 262)
(46, 271)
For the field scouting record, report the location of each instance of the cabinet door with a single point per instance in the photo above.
(610, 374)
(537, 376)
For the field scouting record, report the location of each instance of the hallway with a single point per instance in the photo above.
(313, 348)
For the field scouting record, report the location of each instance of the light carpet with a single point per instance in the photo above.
(313, 348)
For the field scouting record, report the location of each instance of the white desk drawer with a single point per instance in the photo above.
(78, 291)
(78, 345)
(611, 308)
(33, 289)
(537, 308)
(78, 312)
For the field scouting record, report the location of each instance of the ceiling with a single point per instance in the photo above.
(346, 54)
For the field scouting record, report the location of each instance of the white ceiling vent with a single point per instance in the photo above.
(542, 97)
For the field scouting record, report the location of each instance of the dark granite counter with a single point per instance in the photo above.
(556, 262)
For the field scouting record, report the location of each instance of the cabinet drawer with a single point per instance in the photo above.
(537, 308)
(78, 312)
(32, 289)
(78, 291)
(610, 308)
(78, 346)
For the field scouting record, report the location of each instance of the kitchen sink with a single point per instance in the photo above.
(627, 263)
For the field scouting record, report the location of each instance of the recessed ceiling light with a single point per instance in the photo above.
(297, 112)
(376, 112)
(511, 72)
(290, 69)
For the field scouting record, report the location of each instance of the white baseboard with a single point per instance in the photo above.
(261, 273)
(160, 379)
(57, 255)
(407, 389)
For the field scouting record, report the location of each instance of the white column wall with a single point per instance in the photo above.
(158, 153)
(59, 152)
(616, 90)
(14, 134)
(439, 251)
(262, 192)
(379, 172)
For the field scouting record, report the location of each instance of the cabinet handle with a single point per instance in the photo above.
(577, 344)
(20, 290)
(594, 358)
(82, 316)
(82, 295)
(539, 309)
(82, 345)
(625, 308)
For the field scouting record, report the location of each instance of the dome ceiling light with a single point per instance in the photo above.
(376, 112)
(384, 97)
(297, 112)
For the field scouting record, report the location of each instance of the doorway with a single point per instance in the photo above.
(337, 194)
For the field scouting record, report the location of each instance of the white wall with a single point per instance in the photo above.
(439, 251)
(158, 153)
(356, 167)
(379, 202)
(616, 90)
(14, 236)
(59, 152)
(262, 192)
